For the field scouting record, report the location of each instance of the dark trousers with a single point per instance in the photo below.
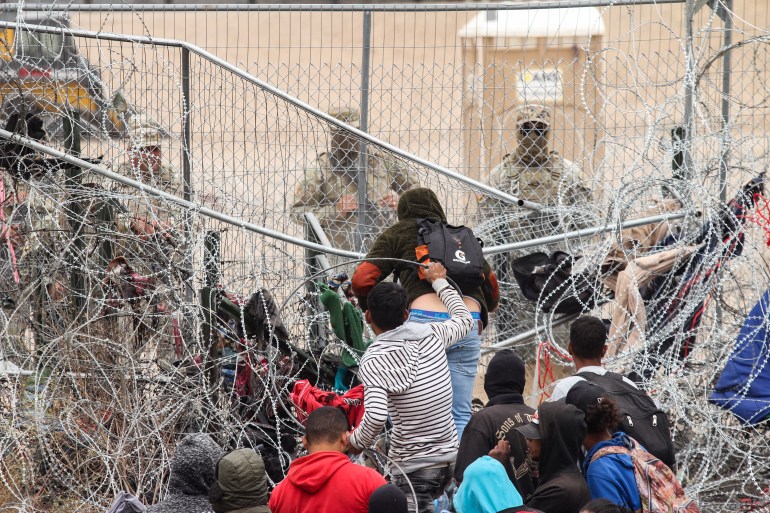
(423, 486)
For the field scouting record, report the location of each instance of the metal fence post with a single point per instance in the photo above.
(212, 259)
(316, 329)
(727, 19)
(689, 91)
(186, 171)
(363, 199)
(726, 72)
(71, 125)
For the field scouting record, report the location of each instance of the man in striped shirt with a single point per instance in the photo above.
(406, 376)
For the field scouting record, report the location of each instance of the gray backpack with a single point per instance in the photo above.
(126, 503)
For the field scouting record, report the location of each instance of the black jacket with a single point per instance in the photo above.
(561, 488)
(497, 421)
(520, 509)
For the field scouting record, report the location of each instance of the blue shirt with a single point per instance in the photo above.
(612, 476)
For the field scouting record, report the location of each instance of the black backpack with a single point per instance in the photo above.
(551, 280)
(640, 418)
(456, 247)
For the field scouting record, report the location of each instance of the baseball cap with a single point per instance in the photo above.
(348, 115)
(533, 113)
(584, 394)
(143, 131)
(531, 430)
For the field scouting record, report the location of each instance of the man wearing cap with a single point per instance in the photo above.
(148, 216)
(554, 440)
(329, 187)
(532, 172)
(154, 247)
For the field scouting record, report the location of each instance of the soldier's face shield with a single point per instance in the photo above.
(537, 128)
(533, 140)
(146, 158)
(344, 146)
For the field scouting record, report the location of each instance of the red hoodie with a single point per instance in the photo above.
(325, 482)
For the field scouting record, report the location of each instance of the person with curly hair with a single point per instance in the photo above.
(612, 475)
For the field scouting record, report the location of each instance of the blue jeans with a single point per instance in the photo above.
(463, 360)
(424, 485)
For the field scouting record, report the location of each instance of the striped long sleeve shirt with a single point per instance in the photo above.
(406, 376)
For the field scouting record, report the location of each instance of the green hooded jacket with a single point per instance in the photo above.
(400, 241)
(241, 485)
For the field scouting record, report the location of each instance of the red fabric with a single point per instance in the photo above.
(367, 275)
(178, 341)
(492, 291)
(307, 399)
(325, 482)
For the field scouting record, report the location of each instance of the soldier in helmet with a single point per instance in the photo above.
(152, 240)
(329, 187)
(536, 173)
(149, 216)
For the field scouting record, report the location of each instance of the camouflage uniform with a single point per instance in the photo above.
(159, 256)
(153, 254)
(145, 206)
(532, 173)
(327, 180)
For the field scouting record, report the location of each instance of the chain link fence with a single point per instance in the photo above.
(130, 317)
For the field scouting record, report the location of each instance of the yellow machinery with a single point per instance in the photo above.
(45, 73)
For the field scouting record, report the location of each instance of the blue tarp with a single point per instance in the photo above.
(744, 386)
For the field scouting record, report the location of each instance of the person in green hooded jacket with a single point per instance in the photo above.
(399, 242)
(241, 485)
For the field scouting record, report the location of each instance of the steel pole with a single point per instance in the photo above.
(726, 75)
(726, 72)
(526, 335)
(689, 91)
(325, 7)
(187, 170)
(363, 161)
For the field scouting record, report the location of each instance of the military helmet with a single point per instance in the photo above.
(348, 115)
(533, 113)
(143, 131)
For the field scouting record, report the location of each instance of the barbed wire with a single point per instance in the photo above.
(129, 320)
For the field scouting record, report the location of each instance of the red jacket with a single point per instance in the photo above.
(325, 482)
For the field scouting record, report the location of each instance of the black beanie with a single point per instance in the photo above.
(388, 499)
(505, 374)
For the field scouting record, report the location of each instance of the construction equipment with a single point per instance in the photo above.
(44, 72)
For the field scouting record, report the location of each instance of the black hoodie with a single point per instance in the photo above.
(504, 383)
(562, 488)
(400, 241)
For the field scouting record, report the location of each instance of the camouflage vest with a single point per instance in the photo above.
(536, 181)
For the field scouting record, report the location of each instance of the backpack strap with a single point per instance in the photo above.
(611, 449)
(636, 452)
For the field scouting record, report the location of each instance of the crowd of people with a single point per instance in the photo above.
(568, 456)
(575, 453)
